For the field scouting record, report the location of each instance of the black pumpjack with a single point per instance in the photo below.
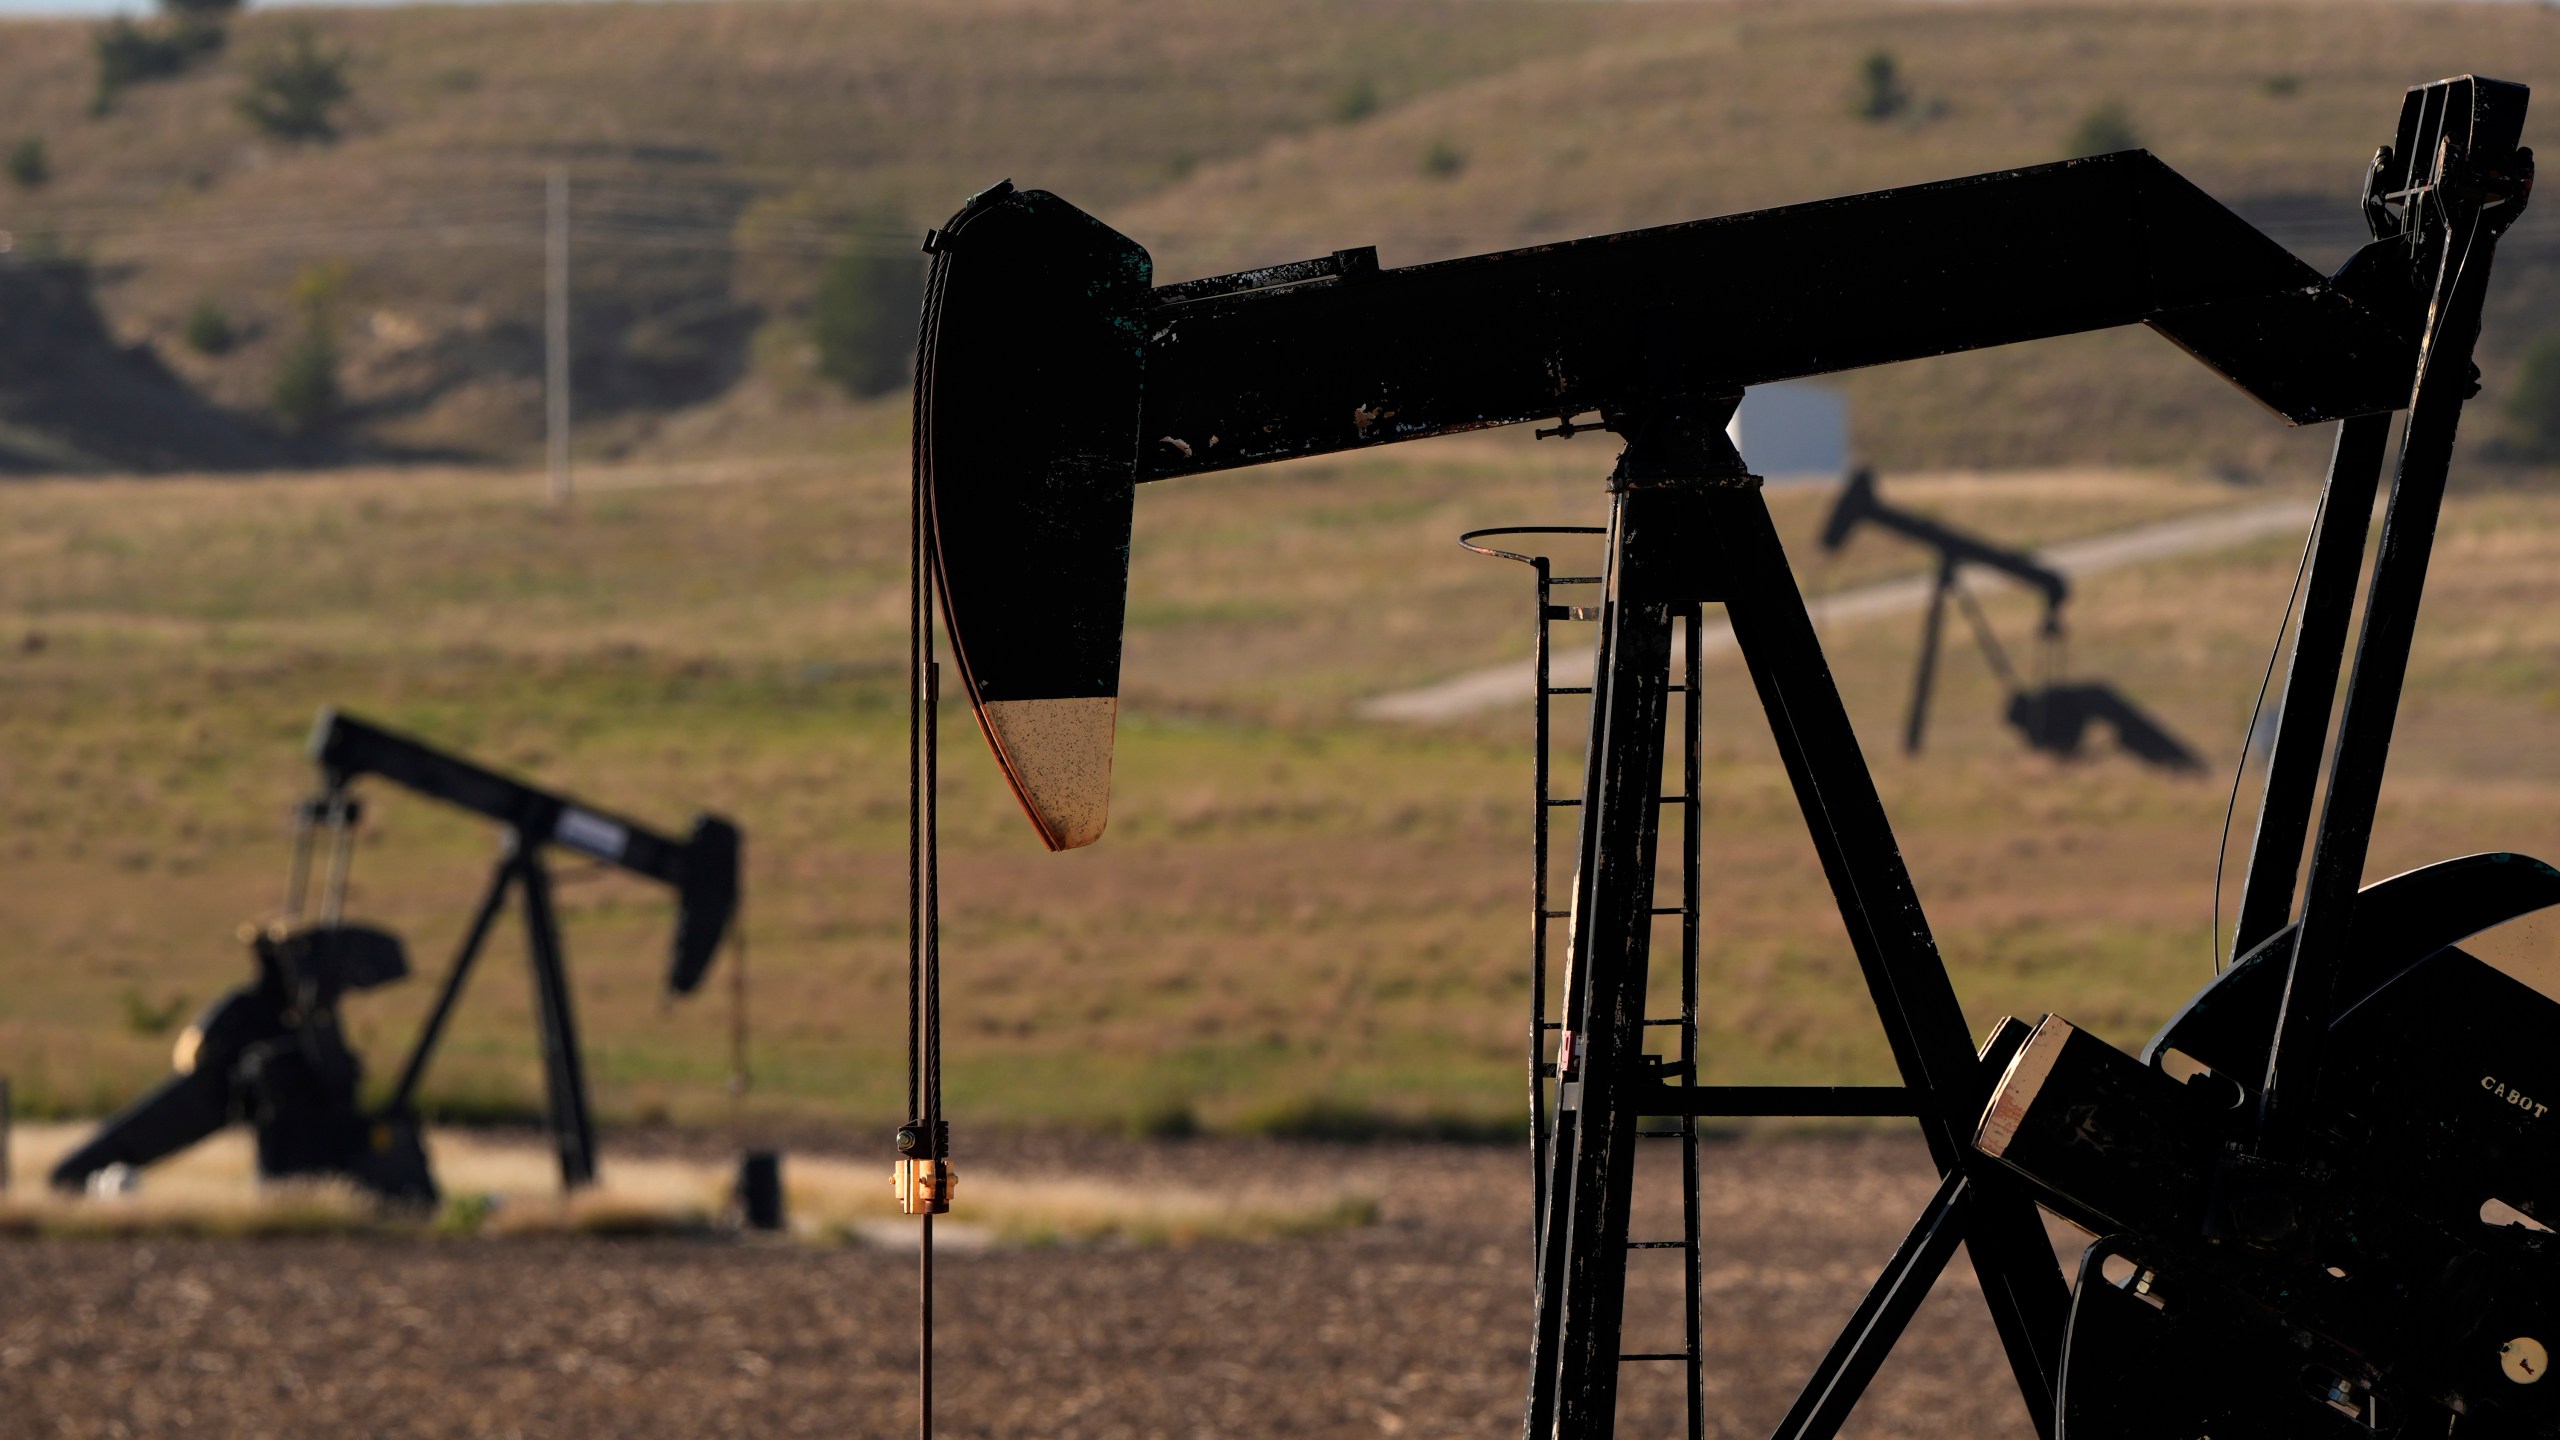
(2050, 713)
(272, 1053)
(2295, 1170)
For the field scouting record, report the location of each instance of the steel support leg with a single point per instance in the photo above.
(1915, 726)
(404, 1096)
(2444, 381)
(1855, 1357)
(1705, 536)
(564, 1077)
(1905, 975)
(2311, 681)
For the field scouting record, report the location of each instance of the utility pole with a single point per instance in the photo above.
(555, 385)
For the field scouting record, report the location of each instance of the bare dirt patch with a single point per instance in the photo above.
(1415, 1326)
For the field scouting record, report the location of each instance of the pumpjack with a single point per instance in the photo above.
(2287, 1185)
(272, 1053)
(2053, 715)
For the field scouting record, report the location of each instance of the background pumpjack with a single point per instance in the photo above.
(2052, 715)
(272, 1052)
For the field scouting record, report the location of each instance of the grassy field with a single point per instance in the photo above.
(1298, 919)
(721, 153)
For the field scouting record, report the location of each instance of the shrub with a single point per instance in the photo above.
(293, 91)
(464, 1215)
(306, 395)
(27, 163)
(208, 330)
(2533, 409)
(142, 1017)
(1355, 101)
(1165, 1118)
(1881, 95)
(863, 320)
(1314, 1117)
(2107, 128)
(128, 54)
(1443, 160)
(206, 10)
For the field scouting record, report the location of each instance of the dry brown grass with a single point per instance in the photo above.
(1743, 106)
(1296, 918)
(1751, 105)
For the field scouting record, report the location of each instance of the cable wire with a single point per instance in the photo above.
(2435, 327)
(924, 943)
(2249, 737)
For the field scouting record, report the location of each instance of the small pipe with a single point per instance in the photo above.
(297, 876)
(333, 903)
(924, 1331)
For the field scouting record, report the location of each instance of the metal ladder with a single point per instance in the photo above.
(1682, 1065)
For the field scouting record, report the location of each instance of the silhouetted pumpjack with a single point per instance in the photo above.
(272, 1054)
(2293, 1174)
(2051, 715)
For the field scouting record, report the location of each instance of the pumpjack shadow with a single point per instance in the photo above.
(2291, 1175)
(2052, 715)
(273, 1054)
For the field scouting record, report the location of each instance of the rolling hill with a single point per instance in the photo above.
(720, 154)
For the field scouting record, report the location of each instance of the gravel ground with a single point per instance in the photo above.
(1413, 1327)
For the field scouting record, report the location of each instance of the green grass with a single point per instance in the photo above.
(1299, 923)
